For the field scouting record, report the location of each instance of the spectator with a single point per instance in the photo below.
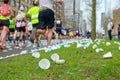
(6, 12)
(109, 27)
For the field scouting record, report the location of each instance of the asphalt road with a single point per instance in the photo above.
(7, 52)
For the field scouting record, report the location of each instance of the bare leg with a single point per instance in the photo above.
(50, 31)
(14, 36)
(3, 34)
(39, 31)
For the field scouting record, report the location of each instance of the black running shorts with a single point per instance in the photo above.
(46, 19)
(4, 23)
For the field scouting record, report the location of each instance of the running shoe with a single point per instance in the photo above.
(17, 44)
(24, 43)
(2, 46)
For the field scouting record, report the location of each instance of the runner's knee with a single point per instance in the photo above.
(5, 28)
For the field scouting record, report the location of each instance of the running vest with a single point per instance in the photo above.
(12, 23)
(20, 19)
(34, 12)
(18, 23)
(23, 21)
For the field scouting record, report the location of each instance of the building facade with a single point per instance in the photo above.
(116, 20)
(59, 10)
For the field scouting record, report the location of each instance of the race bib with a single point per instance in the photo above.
(35, 16)
(58, 22)
(19, 24)
(23, 23)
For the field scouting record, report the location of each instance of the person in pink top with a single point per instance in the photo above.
(5, 14)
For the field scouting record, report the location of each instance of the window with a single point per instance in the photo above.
(26, 1)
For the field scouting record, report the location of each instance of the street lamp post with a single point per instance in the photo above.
(73, 7)
(74, 13)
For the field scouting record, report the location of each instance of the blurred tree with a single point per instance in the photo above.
(19, 4)
(93, 6)
(93, 19)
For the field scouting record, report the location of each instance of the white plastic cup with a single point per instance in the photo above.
(55, 57)
(44, 64)
(60, 61)
(107, 55)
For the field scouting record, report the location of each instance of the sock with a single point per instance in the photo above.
(17, 38)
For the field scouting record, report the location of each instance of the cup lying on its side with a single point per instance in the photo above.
(107, 55)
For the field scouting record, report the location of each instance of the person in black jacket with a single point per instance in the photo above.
(109, 27)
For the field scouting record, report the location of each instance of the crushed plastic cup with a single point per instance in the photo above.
(1, 57)
(66, 45)
(60, 61)
(119, 48)
(12, 55)
(16, 54)
(44, 64)
(99, 50)
(34, 50)
(107, 55)
(108, 43)
(94, 46)
(84, 47)
(50, 48)
(115, 42)
(36, 54)
(58, 46)
(54, 47)
(55, 57)
(7, 57)
(118, 43)
(10, 49)
(24, 52)
(98, 43)
(8, 46)
(46, 49)
(79, 45)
